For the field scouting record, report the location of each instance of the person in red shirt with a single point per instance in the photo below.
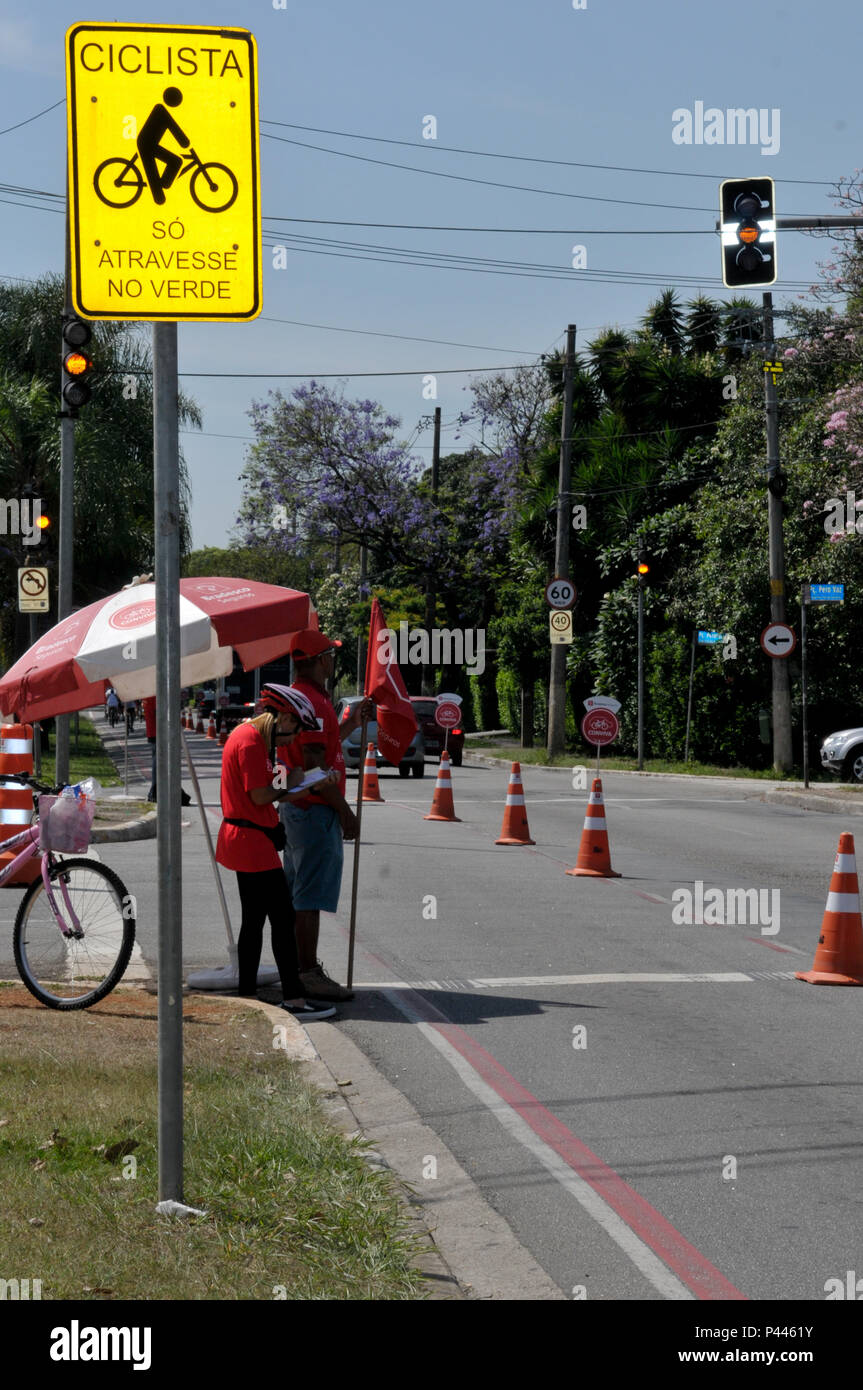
(249, 834)
(317, 823)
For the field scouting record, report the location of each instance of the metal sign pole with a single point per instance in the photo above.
(689, 701)
(355, 880)
(803, 687)
(166, 484)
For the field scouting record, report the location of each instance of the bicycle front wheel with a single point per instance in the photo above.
(73, 972)
(213, 187)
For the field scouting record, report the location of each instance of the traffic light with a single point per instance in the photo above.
(748, 232)
(77, 364)
(643, 569)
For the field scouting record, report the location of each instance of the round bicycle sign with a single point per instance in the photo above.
(600, 726)
(447, 715)
(559, 593)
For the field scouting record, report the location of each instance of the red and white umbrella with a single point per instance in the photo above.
(113, 642)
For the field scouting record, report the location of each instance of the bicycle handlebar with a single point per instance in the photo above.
(25, 779)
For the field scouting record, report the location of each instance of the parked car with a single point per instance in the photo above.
(842, 754)
(355, 755)
(424, 708)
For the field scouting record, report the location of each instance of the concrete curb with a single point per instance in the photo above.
(815, 801)
(141, 829)
(757, 784)
(474, 1253)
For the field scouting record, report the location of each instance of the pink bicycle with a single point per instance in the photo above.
(72, 946)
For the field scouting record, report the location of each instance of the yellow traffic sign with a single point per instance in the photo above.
(164, 182)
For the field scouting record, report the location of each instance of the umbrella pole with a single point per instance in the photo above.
(126, 756)
(353, 926)
(232, 950)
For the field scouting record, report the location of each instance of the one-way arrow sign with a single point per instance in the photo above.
(778, 640)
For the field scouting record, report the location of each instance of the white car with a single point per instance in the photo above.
(842, 754)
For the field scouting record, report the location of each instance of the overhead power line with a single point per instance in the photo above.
(61, 102)
(485, 183)
(523, 158)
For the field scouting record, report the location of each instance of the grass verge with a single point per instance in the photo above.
(293, 1209)
(587, 758)
(88, 759)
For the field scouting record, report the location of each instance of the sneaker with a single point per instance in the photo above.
(318, 985)
(307, 1012)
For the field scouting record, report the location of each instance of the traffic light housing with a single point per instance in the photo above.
(747, 227)
(77, 364)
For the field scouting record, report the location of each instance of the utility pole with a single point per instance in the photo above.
(66, 524)
(640, 662)
(428, 680)
(782, 750)
(557, 681)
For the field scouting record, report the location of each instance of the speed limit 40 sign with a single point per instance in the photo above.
(560, 593)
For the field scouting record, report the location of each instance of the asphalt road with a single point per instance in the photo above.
(692, 1135)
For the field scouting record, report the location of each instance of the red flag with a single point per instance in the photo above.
(396, 719)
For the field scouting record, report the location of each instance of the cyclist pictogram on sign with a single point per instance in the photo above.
(119, 182)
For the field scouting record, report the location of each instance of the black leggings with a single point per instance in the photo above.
(264, 895)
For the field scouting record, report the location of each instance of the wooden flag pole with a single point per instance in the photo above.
(360, 778)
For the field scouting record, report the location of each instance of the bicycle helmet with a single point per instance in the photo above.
(280, 698)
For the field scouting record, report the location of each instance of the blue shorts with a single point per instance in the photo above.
(314, 857)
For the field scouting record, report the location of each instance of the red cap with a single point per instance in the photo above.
(309, 643)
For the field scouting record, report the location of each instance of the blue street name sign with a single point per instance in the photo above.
(826, 593)
(709, 639)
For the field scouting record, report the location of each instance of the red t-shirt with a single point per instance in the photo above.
(245, 766)
(150, 716)
(292, 753)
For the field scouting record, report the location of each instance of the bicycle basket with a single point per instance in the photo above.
(65, 822)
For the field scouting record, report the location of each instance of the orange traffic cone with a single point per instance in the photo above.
(199, 727)
(839, 953)
(442, 803)
(223, 732)
(514, 830)
(594, 855)
(371, 786)
(211, 727)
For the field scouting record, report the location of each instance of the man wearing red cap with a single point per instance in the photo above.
(315, 825)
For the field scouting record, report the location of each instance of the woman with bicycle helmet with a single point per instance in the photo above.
(250, 834)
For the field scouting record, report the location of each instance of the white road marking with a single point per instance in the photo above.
(538, 981)
(614, 1226)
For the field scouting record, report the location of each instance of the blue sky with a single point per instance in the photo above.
(592, 86)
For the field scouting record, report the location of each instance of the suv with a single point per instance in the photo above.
(842, 754)
(434, 735)
(355, 756)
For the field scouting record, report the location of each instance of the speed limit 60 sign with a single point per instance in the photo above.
(560, 593)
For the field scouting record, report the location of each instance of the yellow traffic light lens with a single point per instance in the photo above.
(749, 234)
(43, 523)
(644, 569)
(77, 363)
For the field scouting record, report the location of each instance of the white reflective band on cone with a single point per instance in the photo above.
(845, 864)
(16, 747)
(21, 817)
(843, 902)
(515, 801)
(595, 799)
(594, 822)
